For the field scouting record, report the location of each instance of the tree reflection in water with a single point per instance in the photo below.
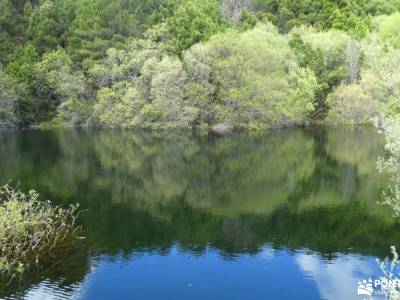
(149, 192)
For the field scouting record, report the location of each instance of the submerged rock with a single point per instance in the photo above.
(221, 128)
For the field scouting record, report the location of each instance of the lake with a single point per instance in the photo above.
(287, 214)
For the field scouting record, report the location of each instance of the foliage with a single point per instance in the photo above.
(65, 54)
(349, 16)
(76, 113)
(389, 29)
(257, 81)
(55, 82)
(350, 104)
(22, 65)
(391, 198)
(9, 101)
(311, 58)
(380, 78)
(332, 45)
(124, 105)
(193, 22)
(10, 26)
(333, 56)
(48, 24)
(377, 89)
(382, 7)
(391, 164)
(100, 24)
(123, 64)
(30, 230)
(89, 39)
(233, 10)
(223, 80)
(119, 106)
(247, 20)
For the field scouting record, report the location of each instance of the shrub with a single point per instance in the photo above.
(56, 79)
(200, 90)
(391, 164)
(249, 79)
(30, 230)
(75, 112)
(55, 82)
(125, 64)
(167, 91)
(119, 106)
(389, 29)
(349, 104)
(379, 75)
(332, 55)
(257, 79)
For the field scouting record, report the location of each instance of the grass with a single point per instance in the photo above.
(30, 230)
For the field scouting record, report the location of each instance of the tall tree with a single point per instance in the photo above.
(48, 24)
(194, 21)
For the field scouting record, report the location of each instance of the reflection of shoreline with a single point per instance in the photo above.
(275, 186)
(291, 189)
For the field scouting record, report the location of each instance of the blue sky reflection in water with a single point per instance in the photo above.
(290, 214)
(277, 275)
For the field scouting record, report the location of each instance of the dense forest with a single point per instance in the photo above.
(160, 64)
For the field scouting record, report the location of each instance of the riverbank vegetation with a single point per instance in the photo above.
(391, 163)
(31, 231)
(195, 63)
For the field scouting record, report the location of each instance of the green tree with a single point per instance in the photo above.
(11, 27)
(194, 21)
(247, 20)
(9, 101)
(101, 24)
(119, 106)
(123, 64)
(389, 30)
(328, 55)
(89, 39)
(350, 16)
(55, 82)
(151, 12)
(311, 58)
(382, 7)
(22, 63)
(350, 104)
(257, 80)
(48, 24)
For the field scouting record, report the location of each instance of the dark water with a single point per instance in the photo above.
(290, 214)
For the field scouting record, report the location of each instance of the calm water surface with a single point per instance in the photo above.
(290, 214)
